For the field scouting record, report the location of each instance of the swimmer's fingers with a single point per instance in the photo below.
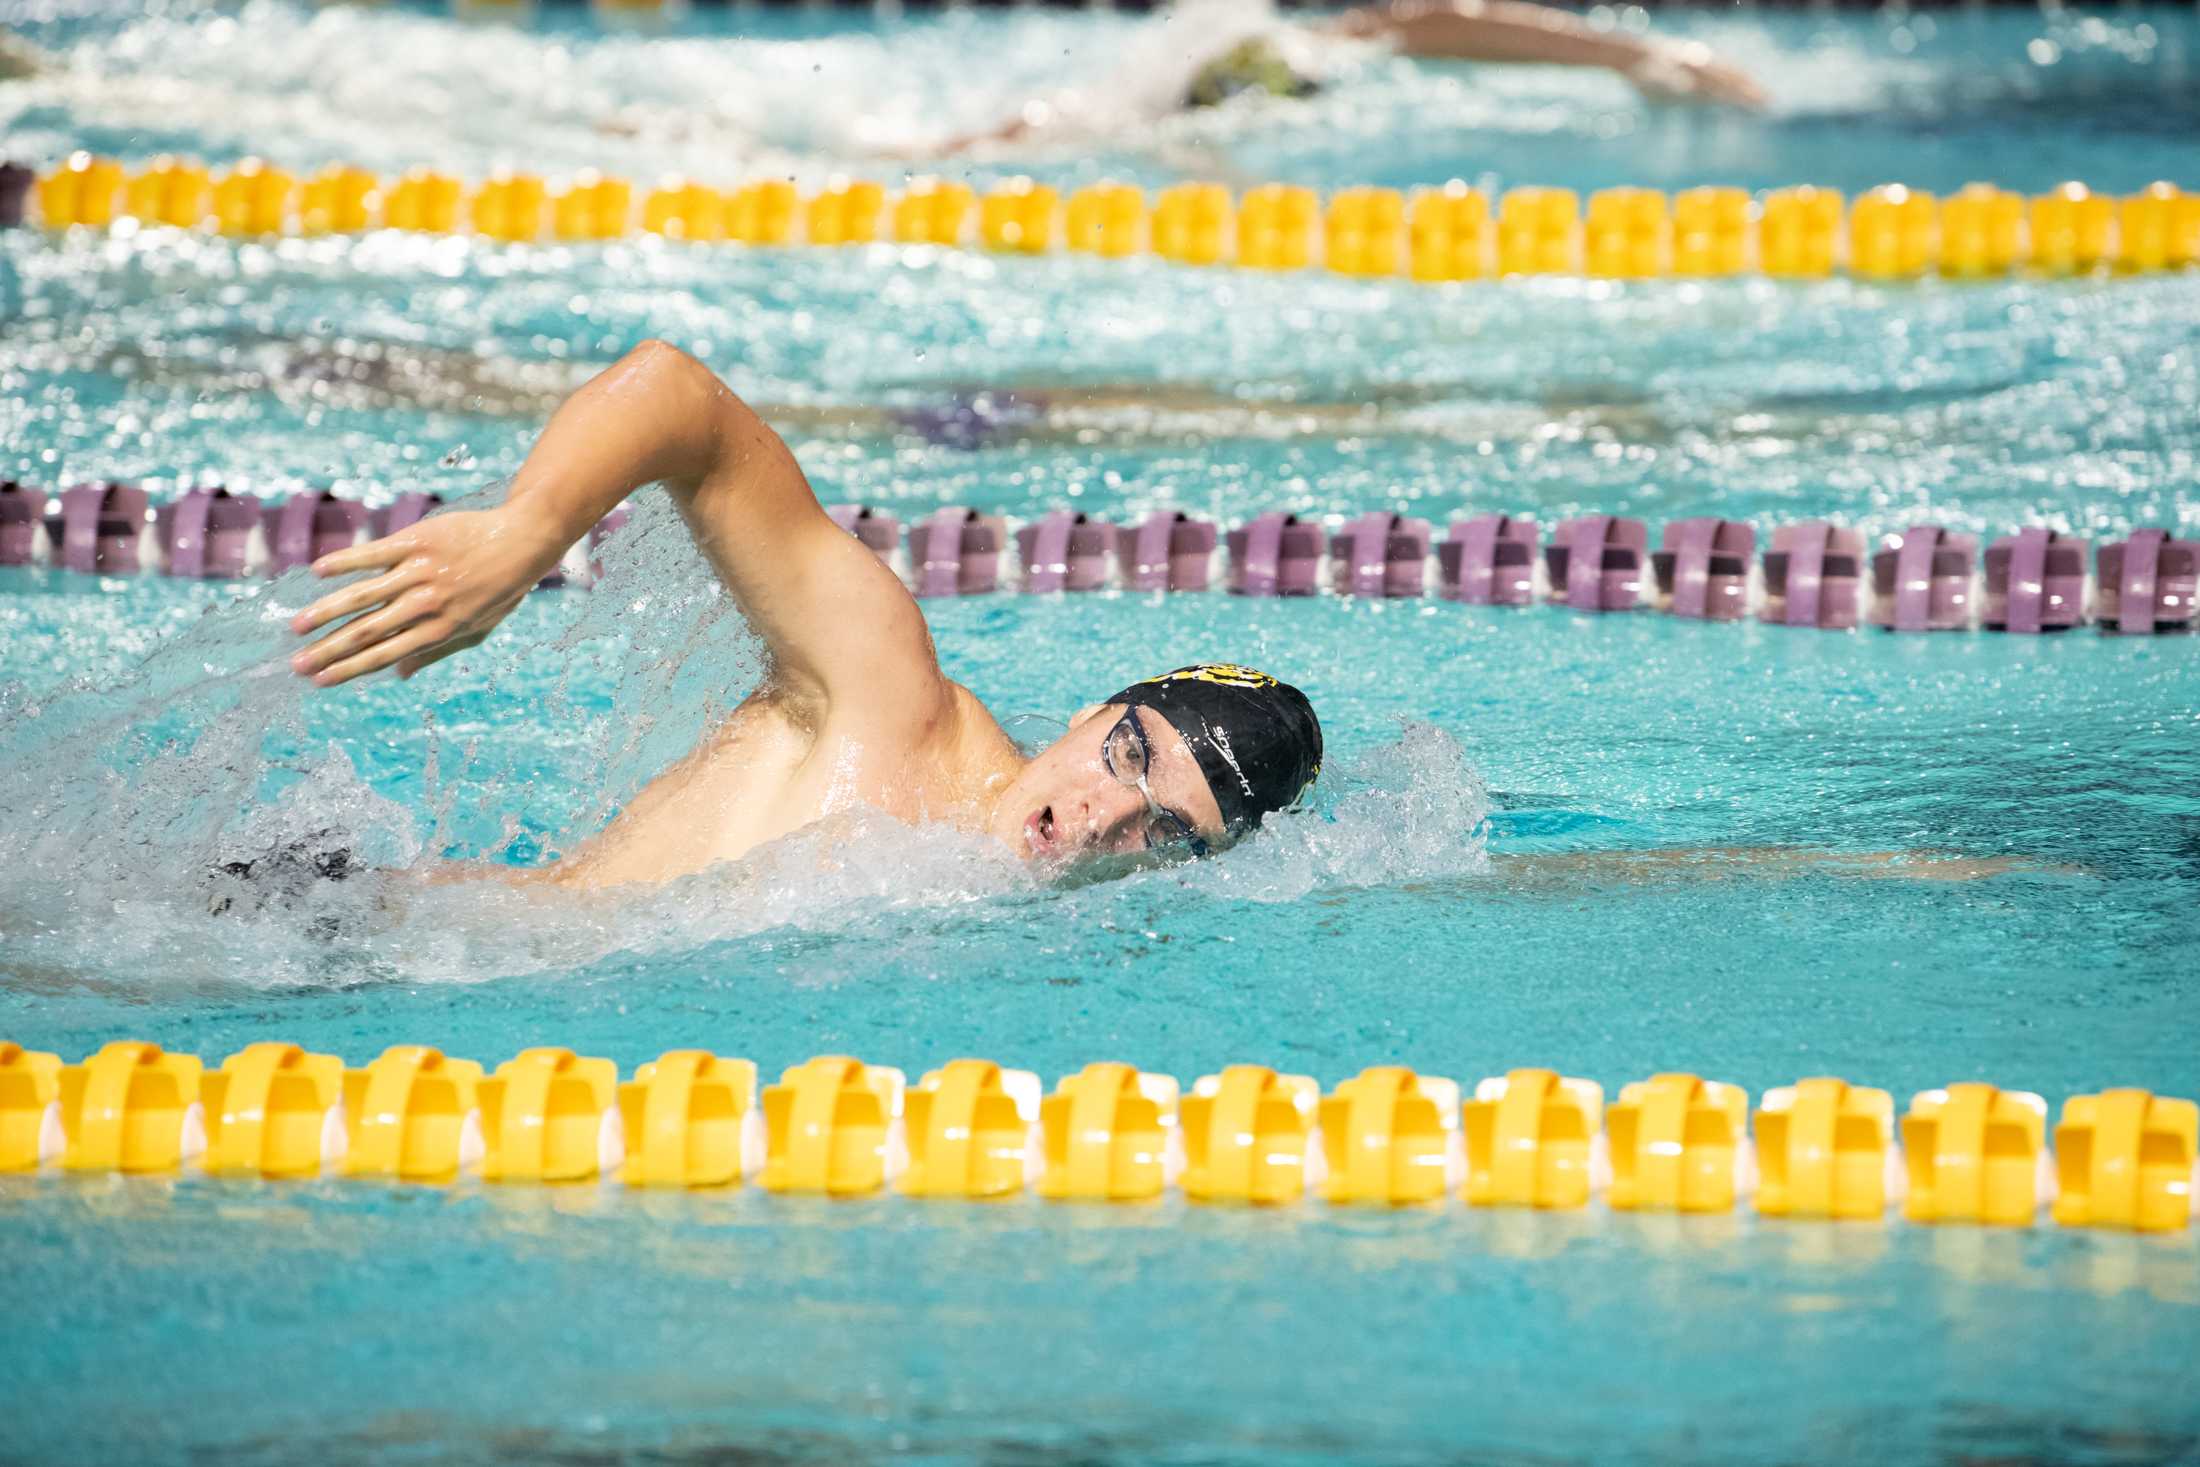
(419, 660)
(362, 636)
(353, 598)
(374, 555)
(385, 653)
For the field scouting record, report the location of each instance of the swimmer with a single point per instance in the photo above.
(1233, 50)
(853, 711)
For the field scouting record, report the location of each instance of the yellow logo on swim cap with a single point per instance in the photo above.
(1228, 674)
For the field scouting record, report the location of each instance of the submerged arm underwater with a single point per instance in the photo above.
(1660, 865)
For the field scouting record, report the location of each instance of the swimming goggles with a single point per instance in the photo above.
(1128, 757)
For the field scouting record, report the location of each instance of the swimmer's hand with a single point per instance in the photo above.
(445, 583)
(1688, 72)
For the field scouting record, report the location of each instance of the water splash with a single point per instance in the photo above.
(1412, 809)
(132, 805)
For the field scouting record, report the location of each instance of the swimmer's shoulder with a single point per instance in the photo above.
(981, 747)
(949, 728)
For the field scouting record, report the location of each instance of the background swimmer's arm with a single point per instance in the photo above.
(1511, 30)
(840, 628)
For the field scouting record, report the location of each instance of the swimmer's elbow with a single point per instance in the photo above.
(693, 405)
(657, 354)
(670, 371)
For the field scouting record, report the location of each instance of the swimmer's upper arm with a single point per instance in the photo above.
(837, 622)
(843, 634)
(840, 628)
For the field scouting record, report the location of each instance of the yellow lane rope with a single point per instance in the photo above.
(1447, 233)
(1969, 1153)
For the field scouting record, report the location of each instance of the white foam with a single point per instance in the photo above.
(122, 801)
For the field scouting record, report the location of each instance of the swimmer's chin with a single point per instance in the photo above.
(1068, 869)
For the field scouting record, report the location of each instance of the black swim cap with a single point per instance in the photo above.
(1256, 739)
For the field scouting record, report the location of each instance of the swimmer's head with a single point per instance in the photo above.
(1170, 768)
(1255, 64)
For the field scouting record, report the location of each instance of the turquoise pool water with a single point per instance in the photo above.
(143, 736)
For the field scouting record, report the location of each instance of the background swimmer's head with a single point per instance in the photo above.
(1169, 768)
(1255, 64)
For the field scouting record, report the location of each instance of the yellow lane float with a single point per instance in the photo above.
(1679, 1144)
(132, 1107)
(1629, 234)
(691, 1121)
(1364, 232)
(1391, 1137)
(1275, 227)
(2072, 228)
(412, 1115)
(973, 1132)
(1018, 217)
(1110, 1133)
(1976, 1154)
(833, 1126)
(1534, 1139)
(2126, 1159)
(1894, 232)
(253, 198)
(1539, 232)
(1249, 1136)
(1448, 233)
(1981, 232)
(30, 1108)
(1826, 1148)
(1711, 231)
(83, 191)
(339, 199)
(1799, 232)
(592, 207)
(548, 1115)
(932, 211)
(274, 1110)
(510, 207)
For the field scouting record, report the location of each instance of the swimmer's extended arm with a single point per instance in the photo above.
(1512, 30)
(840, 628)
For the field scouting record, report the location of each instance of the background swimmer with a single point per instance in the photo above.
(1213, 50)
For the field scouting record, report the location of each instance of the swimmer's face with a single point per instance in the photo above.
(1086, 797)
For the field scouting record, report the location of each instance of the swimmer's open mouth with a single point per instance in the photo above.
(1042, 834)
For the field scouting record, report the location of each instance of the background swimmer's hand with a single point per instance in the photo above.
(445, 584)
(1690, 73)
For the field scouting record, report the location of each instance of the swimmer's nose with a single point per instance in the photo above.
(1112, 811)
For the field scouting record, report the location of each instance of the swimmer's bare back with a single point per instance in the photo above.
(853, 711)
